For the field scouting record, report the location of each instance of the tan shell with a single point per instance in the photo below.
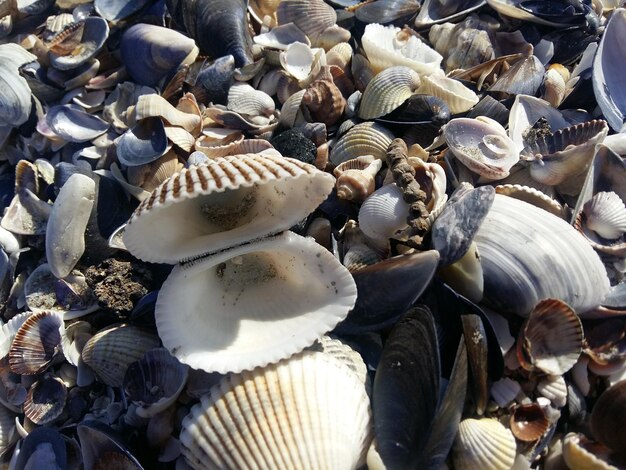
(313, 17)
(111, 351)
(356, 177)
(152, 174)
(366, 138)
(387, 91)
(259, 418)
(231, 200)
(244, 99)
(457, 96)
(340, 55)
(324, 101)
(155, 105)
(528, 422)
(580, 453)
(180, 137)
(485, 444)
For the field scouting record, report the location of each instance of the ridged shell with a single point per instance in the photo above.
(244, 99)
(154, 382)
(526, 255)
(229, 201)
(36, 343)
(311, 16)
(366, 138)
(111, 351)
(7, 427)
(485, 444)
(387, 91)
(581, 453)
(78, 43)
(151, 175)
(481, 145)
(605, 214)
(554, 388)
(8, 331)
(552, 338)
(324, 101)
(305, 412)
(15, 96)
(151, 105)
(387, 46)
(45, 400)
(221, 313)
(532, 196)
(383, 213)
(457, 96)
(344, 354)
(608, 416)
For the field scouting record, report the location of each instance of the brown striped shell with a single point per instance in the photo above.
(45, 400)
(356, 177)
(36, 343)
(324, 101)
(230, 200)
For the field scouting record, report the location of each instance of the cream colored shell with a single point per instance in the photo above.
(485, 444)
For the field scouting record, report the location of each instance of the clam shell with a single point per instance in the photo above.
(608, 416)
(304, 412)
(387, 91)
(78, 43)
(252, 102)
(532, 196)
(111, 351)
(436, 11)
(313, 17)
(15, 96)
(581, 453)
(483, 443)
(73, 124)
(36, 343)
(366, 138)
(526, 256)
(8, 331)
(152, 105)
(229, 201)
(151, 175)
(388, 46)
(116, 10)
(605, 214)
(119, 101)
(383, 213)
(45, 400)
(457, 96)
(244, 323)
(504, 391)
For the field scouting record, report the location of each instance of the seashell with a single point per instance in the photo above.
(280, 37)
(465, 275)
(151, 175)
(73, 340)
(528, 422)
(111, 351)
(43, 447)
(252, 103)
(605, 214)
(607, 86)
(383, 213)
(65, 233)
(27, 214)
(154, 382)
(100, 446)
(388, 46)
(7, 427)
(144, 143)
(36, 343)
(366, 138)
(356, 177)
(302, 62)
(313, 17)
(240, 279)
(291, 112)
(78, 43)
(483, 443)
(482, 145)
(458, 97)
(516, 286)
(223, 204)
(526, 113)
(504, 391)
(387, 11)
(523, 78)
(387, 91)
(214, 80)
(180, 138)
(151, 52)
(15, 94)
(580, 453)
(117, 10)
(8, 331)
(119, 101)
(436, 11)
(340, 55)
(554, 388)
(45, 400)
(554, 84)
(532, 196)
(72, 124)
(324, 101)
(153, 105)
(607, 413)
(259, 417)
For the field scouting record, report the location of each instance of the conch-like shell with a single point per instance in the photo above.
(356, 177)
(310, 403)
(387, 91)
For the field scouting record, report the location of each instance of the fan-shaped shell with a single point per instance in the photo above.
(45, 400)
(15, 97)
(78, 43)
(387, 91)
(311, 16)
(528, 422)
(605, 214)
(387, 46)
(504, 391)
(304, 412)
(254, 304)
(8, 331)
(581, 453)
(485, 444)
(36, 343)
(457, 96)
(554, 388)
(230, 200)
(383, 213)
(366, 138)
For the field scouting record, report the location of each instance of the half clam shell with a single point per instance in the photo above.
(36, 343)
(483, 443)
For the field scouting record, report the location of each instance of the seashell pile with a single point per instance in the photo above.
(312, 234)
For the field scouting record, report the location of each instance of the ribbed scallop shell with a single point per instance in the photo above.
(366, 138)
(457, 96)
(343, 354)
(605, 214)
(528, 255)
(36, 343)
(111, 351)
(581, 453)
(356, 178)
(387, 46)
(8, 331)
(45, 400)
(254, 304)
(305, 412)
(485, 444)
(7, 427)
(383, 213)
(552, 337)
(151, 175)
(244, 99)
(554, 388)
(528, 422)
(231, 200)
(387, 91)
(154, 382)
(481, 145)
(311, 16)
(152, 105)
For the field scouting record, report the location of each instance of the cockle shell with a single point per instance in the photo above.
(388, 46)
(45, 401)
(36, 343)
(483, 443)
(581, 453)
(366, 138)
(387, 91)
(315, 18)
(258, 418)
(383, 213)
(457, 96)
(605, 214)
(356, 177)
(228, 316)
(554, 388)
(528, 422)
(230, 200)
(250, 101)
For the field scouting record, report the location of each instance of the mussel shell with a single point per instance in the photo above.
(73, 124)
(46, 446)
(388, 11)
(97, 441)
(144, 143)
(558, 11)
(419, 109)
(117, 10)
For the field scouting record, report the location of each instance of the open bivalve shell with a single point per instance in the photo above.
(304, 412)
(229, 201)
(253, 304)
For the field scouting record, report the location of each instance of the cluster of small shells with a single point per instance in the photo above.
(398, 230)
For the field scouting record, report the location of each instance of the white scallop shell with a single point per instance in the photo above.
(383, 213)
(8, 331)
(253, 304)
(231, 200)
(305, 412)
(457, 96)
(554, 388)
(606, 215)
(387, 46)
(485, 444)
(244, 99)
(387, 91)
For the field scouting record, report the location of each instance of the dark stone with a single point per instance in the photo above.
(292, 143)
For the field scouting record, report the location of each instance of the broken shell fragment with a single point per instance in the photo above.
(45, 401)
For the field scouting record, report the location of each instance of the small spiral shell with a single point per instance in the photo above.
(324, 101)
(356, 177)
